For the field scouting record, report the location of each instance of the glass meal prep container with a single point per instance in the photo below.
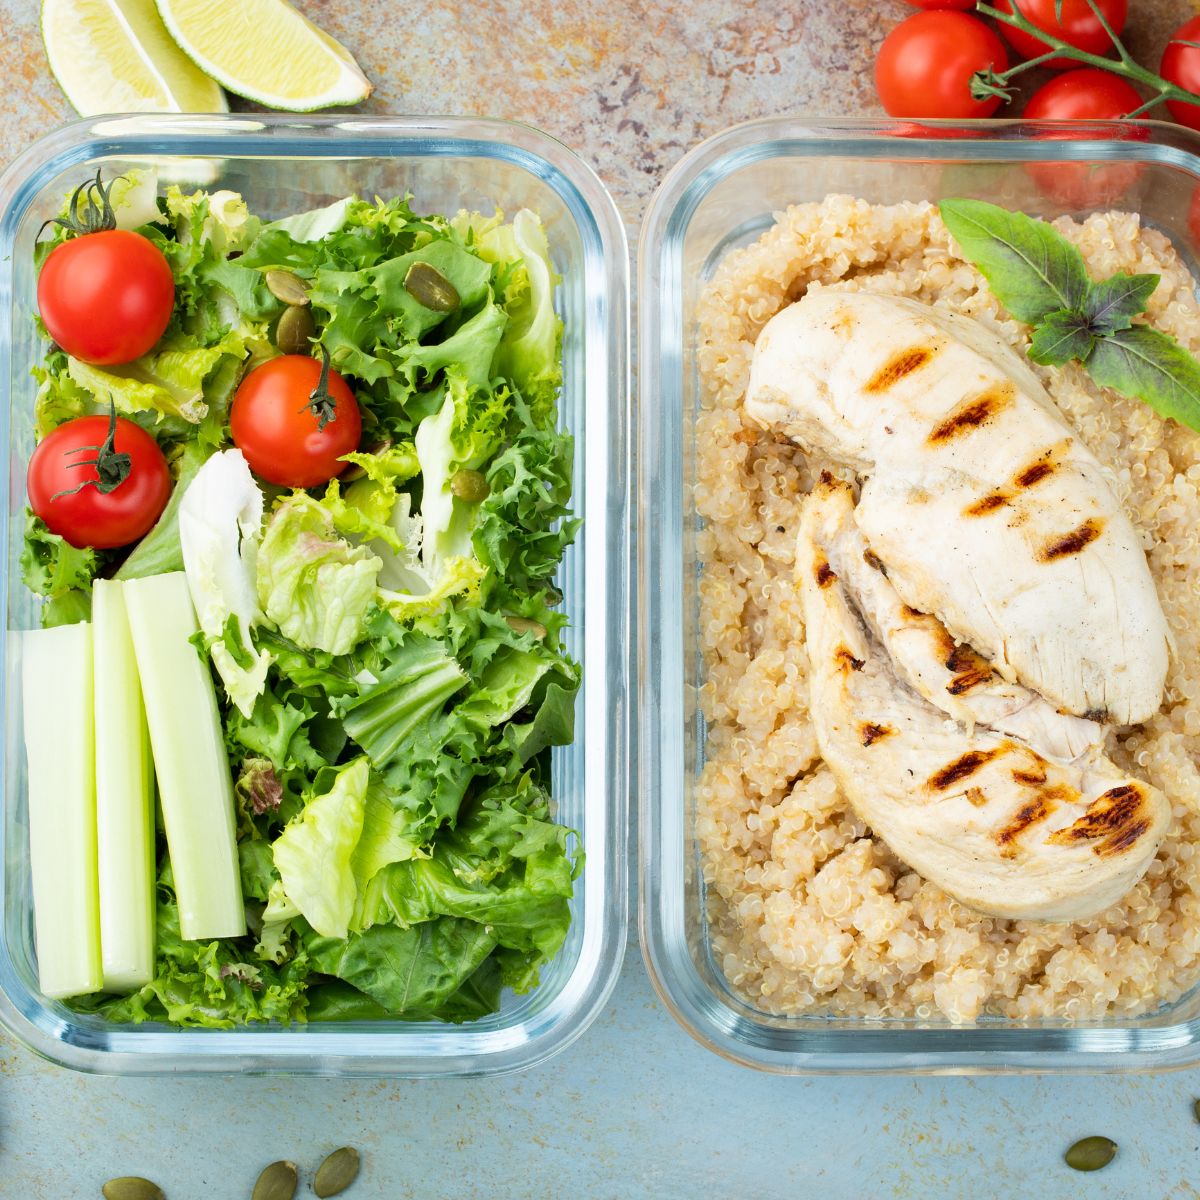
(286, 165)
(722, 196)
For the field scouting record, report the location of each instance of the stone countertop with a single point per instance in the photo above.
(635, 1108)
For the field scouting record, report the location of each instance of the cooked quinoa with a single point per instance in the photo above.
(808, 912)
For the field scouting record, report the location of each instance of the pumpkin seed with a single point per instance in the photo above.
(1091, 1154)
(525, 625)
(131, 1187)
(277, 1182)
(469, 485)
(289, 288)
(294, 331)
(428, 286)
(337, 1172)
(1196, 1110)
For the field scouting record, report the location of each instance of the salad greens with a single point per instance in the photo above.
(386, 649)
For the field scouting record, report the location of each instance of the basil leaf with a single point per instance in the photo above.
(1150, 366)
(1061, 337)
(1032, 269)
(1112, 304)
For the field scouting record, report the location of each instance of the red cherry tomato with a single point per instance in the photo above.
(1087, 95)
(925, 66)
(1079, 27)
(1181, 66)
(88, 515)
(106, 297)
(274, 424)
(960, 5)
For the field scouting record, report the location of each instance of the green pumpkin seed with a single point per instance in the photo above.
(277, 1182)
(1196, 1110)
(1091, 1154)
(337, 1172)
(294, 331)
(525, 625)
(429, 287)
(132, 1187)
(289, 288)
(469, 485)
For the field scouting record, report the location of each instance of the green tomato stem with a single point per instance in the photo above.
(1124, 65)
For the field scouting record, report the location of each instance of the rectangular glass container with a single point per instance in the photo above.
(285, 165)
(722, 196)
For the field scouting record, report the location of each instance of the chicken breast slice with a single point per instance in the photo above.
(992, 822)
(985, 507)
(949, 674)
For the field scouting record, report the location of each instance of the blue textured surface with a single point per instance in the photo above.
(635, 1109)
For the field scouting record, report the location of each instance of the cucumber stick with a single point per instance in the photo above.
(124, 798)
(59, 746)
(194, 784)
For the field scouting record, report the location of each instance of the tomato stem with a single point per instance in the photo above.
(991, 83)
(112, 469)
(97, 214)
(321, 403)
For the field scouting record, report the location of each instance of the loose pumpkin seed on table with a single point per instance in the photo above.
(337, 1172)
(1091, 1154)
(132, 1187)
(278, 1181)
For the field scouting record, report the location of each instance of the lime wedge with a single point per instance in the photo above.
(114, 56)
(266, 51)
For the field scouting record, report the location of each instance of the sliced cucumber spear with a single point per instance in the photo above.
(59, 747)
(124, 799)
(194, 783)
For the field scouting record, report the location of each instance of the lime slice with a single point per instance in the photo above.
(266, 51)
(114, 56)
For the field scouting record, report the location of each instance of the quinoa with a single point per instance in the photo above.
(807, 911)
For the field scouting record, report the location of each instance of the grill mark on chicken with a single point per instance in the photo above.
(972, 413)
(1072, 543)
(1035, 473)
(961, 684)
(874, 561)
(986, 504)
(872, 733)
(1099, 715)
(846, 661)
(1031, 778)
(1027, 816)
(963, 767)
(824, 573)
(977, 796)
(898, 367)
(1114, 821)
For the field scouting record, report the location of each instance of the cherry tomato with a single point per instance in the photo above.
(276, 422)
(925, 66)
(1181, 66)
(960, 5)
(106, 297)
(1087, 95)
(1079, 27)
(85, 489)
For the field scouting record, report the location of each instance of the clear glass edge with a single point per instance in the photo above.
(447, 1050)
(717, 1024)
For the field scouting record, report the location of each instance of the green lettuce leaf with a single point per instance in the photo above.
(61, 573)
(314, 585)
(313, 853)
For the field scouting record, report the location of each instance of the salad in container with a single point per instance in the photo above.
(294, 514)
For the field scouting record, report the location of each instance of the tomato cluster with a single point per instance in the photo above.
(926, 64)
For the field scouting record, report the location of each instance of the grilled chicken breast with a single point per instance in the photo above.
(986, 817)
(949, 674)
(986, 509)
